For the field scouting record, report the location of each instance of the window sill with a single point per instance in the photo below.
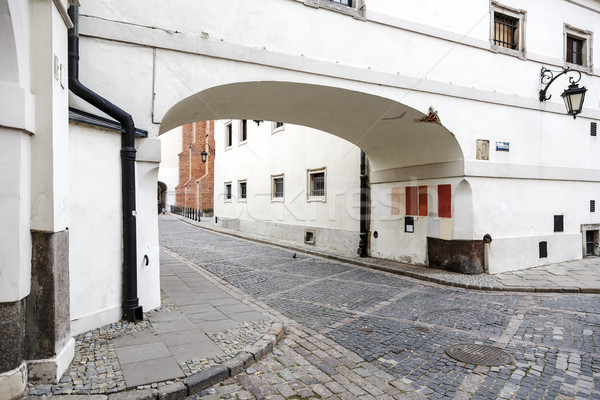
(276, 199)
(317, 199)
(227, 201)
(580, 68)
(520, 54)
(228, 148)
(243, 143)
(242, 200)
(280, 129)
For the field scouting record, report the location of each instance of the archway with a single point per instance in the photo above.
(404, 146)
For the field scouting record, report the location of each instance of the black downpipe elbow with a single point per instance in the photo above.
(132, 311)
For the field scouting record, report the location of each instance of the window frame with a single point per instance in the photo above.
(587, 49)
(228, 193)
(309, 185)
(228, 135)
(356, 10)
(275, 128)
(520, 16)
(243, 125)
(275, 198)
(242, 194)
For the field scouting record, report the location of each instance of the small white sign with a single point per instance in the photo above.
(409, 228)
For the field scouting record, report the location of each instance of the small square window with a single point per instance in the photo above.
(577, 44)
(506, 31)
(242, 190)
(228, 135)
(316, 184)
(228, 191)
(592, 205)
(243, 131)
(277, 187)
(593, 128)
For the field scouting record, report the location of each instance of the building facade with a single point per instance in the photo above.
(467, 165)
(287, 182)
(196, 177)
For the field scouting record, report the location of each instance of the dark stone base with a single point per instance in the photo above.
(12, 335)
(48, 311)
(464, 256)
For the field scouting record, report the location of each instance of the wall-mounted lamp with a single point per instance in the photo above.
(573, 96)
(257, 121)
(204, 154)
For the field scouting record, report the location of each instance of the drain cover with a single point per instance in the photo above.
(479, 354)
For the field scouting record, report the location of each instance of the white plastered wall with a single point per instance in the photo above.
(291, 151)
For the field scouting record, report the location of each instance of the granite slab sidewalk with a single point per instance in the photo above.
(203, 333)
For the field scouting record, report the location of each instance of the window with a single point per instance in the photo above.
(242, 190)
(228, 135)
(277, 126)
(416, 200)
(507, 29)
(228, 191)
(243, 131)
(277, 187)
(354, 8)
(574, 50)
(316, 184)
(577, 46)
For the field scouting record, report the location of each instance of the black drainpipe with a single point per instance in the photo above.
(363, 250)
(132, 311)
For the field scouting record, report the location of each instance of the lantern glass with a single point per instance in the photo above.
(204, 154)
(573, 98)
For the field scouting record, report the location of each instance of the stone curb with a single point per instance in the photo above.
(195, 383)
(410, 274)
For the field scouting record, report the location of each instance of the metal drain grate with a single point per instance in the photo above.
(479, 354)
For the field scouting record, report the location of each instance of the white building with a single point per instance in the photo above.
(168, 169)
(519, 169)
(287, 182)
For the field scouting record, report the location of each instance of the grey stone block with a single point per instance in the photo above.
(235, 365)
(246, 358)
(145, 394)
(206, 379)
(174, 391)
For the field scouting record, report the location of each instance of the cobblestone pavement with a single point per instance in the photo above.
(360, 333)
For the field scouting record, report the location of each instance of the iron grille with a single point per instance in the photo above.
(593, 128)
(506, 31)
(574, 50)
(228, 191)
(244, 130)
(243, 190)
(317, 184)
(278, 187)
(592, 205)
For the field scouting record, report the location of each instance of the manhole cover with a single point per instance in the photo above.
(479, 354)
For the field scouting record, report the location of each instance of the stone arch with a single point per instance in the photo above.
(392, 134)
(162, 192)
(12, 40)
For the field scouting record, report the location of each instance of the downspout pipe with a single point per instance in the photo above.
(363, 247)
(132, 311)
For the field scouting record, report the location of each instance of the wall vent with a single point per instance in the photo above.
(309, 237)
(592, 205)
(593, 127)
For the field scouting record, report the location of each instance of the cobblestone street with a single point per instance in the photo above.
(359, 333)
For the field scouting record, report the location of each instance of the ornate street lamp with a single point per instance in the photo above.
(204, 154)
(573, 96)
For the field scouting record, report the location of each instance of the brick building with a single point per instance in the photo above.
(196, 179)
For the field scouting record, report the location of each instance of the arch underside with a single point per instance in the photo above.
(389, 132)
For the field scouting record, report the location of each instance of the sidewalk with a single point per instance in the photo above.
(579, 276)
(202, 334)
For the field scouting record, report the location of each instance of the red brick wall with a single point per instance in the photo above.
(196, 179)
